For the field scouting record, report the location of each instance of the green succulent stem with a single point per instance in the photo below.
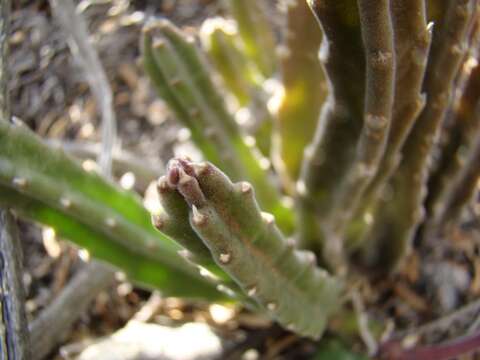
(396, 220)
(184, 80)
(249, 247)
(219, 38)
(328, 156)
(412, 45)
(48, 186)
(303, 91)
(377, 34)
(461, 190)
(256, 33)
(461, 125)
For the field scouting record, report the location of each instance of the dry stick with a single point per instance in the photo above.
(53, 324)
(453, 349)
(396, 220)
(83, 51)
(95, 276)
(460, 318)
(377, 33)
(442, 325)
(13, 324)
(412, 45)
(14, 341)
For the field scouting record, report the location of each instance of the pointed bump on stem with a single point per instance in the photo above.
(225, 290)
(198, 218)
(173, 176)
(272, 306)
(225, 258)
(158, 222)
(162, 185)
(268, 218)
(382, 59)
(65, 202)
(291, 242)
(249, 141)
(200, 168)
(19, 182)
(175, 82)
(301, 188)
(311, 258)
(183, 177)
(245, 187)
(158, 43)
(111, 222)
(152, 245)
(375, 123)
(252, 290)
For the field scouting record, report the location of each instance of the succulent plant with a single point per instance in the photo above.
(372, 131)
(379, 93)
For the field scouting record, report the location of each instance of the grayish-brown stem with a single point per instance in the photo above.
(13, 324)
(14, 342)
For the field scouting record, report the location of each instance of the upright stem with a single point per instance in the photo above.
(396, 221)
(303, 93)
(13, 322)
(378, 41)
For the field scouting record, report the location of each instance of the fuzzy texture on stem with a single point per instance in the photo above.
(247, 244)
